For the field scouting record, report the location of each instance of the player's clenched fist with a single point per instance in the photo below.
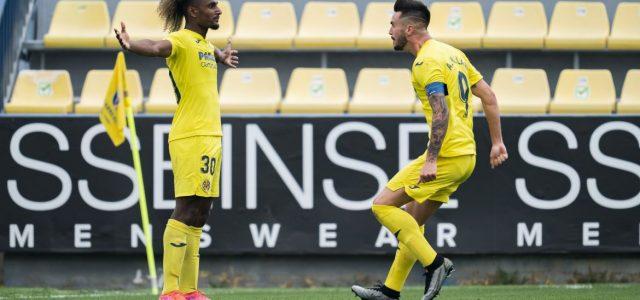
(498, 155)
(123, 36)
(428, 172)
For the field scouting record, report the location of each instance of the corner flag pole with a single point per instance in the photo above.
(143, 198)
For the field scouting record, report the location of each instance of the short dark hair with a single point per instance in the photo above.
(414, 9)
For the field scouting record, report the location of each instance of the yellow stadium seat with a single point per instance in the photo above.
(476, 105)
(38, 91)
(625, 32)
(630, 97)
(78, 24)
(220, 36)
(316, 91)
(516, 25)
(383, 91)
(460, 24)
(375, 26)
(142, 21)
(95, 88)
(578, 25)
(265, 25)
(328, 25)
(584, 91)
(250, 91)
(521, 91)
(162, 96)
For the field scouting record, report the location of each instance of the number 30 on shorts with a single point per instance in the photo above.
(209, 165)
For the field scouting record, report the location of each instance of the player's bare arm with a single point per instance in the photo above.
(142, 47)
(492, 113)
(439, 126)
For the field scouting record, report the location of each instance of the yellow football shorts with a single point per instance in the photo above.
(451, 172)
(196, 165)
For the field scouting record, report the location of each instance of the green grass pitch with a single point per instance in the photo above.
(573, 292)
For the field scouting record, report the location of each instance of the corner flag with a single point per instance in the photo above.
(112, 115)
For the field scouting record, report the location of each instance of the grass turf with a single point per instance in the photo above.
(586, 291)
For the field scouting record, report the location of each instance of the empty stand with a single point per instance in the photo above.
(265, 25)
(95, 88)
(578, 25)
(583, 92)
(383, 91)
(142, 21)
(250, 91)
(375, 26)
(460, 24)
(516, 25)
(625, 32)
(521, 91)
(41, 92)
(162, 97)
(630, 97)
(220, 36)
(328, 25)
(78, 24)
(316, 91)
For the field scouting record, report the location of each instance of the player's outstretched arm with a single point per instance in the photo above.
(439, 126)
(228, 56)
(492, 113)
(142, 47)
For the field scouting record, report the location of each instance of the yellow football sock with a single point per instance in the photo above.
(175, 245)
(191, 263)
(404, 226)
(401, 267)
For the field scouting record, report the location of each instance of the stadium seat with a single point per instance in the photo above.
(220, 36)
(250, 91)
(383, 91)
(625, 32)
(39, 91)
(630, 97)
(78, 24)
(95, 88)
(578, 25)
(375, 27)
(142, 21)
(521, 91)
(460, 24)
(328, 25)
(516, 25)
(316, 91)
(584, 91)
(265, 25)
(162, 97)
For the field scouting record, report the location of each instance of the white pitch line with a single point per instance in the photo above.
(97, 295)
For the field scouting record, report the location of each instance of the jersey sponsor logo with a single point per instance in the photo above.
(207, 60)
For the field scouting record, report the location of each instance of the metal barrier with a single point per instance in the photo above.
(14, 15)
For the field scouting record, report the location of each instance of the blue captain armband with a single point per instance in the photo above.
(436, 88)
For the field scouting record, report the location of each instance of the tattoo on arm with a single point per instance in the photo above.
(439, 125)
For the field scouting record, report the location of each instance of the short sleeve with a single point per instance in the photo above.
(176, 45)
(427, 72)
(474, 75)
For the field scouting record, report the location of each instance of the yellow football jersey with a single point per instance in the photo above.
(438, 62)
(194, 74)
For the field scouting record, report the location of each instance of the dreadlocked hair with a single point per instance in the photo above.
(173, 13)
